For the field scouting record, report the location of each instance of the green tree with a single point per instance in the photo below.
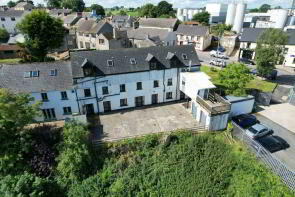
(202, 18)
(264, 8)
(28, 185)
(75, 159)
(254, 10)
(164, 8)
(269, 49)
(75, 5)
(220, 29)
(53, 3)
(16, 111)
(99, 9)
(148, 10)
(42, 33)
(235, 78)
(4, 35)
(122, 13)
(11, 4)
(278, 7)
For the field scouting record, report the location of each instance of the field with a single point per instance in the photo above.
(10, 61)
(185, 165)
(256, 83)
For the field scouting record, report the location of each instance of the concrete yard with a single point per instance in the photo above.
(141, 121)
(282, 114)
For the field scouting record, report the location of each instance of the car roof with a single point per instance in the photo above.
(269, 140)
(259, 127)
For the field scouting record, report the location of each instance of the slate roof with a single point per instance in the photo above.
(158, 22)
(121, 59)
(122, 18)
(12, 77)
(142, 33)
(22, 4)
(12, 13)
(93, 27)
(192, 30)
(60, 11)
(71, 19)
(251, 35)
(6, 47)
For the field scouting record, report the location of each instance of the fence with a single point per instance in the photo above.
(279, 168)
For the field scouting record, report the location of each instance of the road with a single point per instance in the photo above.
(205, 58)
(288, 155)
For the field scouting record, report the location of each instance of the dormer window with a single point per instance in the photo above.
(132, 61)
(184, 56)
(27, 74)
(53, 72)
(110, 63)
(35, 73)
(153, 65)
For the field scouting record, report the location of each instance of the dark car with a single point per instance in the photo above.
(271, 76)
(245, 120)
(246, 61)
(273, 143)
(220, 49)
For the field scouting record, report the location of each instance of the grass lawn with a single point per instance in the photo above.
(256, 83)
(209, 164)
(130, 13)
(10, 61)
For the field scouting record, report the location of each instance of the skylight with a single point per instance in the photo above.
(184, 56)
(53, 72)
(27, 74)
(35, 73)
(110, 63)
(132, 60)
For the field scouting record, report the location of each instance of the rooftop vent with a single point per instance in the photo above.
(110, 62)
(184, 56)
(132, 61)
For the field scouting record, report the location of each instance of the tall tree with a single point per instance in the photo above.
(269, 49)
(235, 78)
(99, 9)
(202, 18)
(11, 4)
(75, 5)
(164, 8)
(122, 13)
(4, 35)
(42, 33)
(53, 3)
(264, 8)
(148, 10)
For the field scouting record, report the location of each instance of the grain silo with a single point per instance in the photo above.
(190, 14)
(239, 18)
(231, 13)
(279, 16)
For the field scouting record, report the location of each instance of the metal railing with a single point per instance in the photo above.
(286, 175)
(213, 108)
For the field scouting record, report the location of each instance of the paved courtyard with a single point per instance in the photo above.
(141, 121)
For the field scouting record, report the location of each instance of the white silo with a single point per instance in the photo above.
(179, 12)
(184, 14)
(190, 14)
(239, 18)
(292, 20)
(279, 16)
(195, 12)
(231, 13)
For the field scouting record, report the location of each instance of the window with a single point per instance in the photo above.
(93, 35)
(27, 74)
(49, 114)
(101, 41)
(81, 44)
(183, 82)
(86, 35)
(35, 73)
(64, 95)
(105, 90)
(132, 61)
(2, 19)
(139, 85)
(169, 95)
(87, 92)
(123, 102)
(153, 65)
(156, 83)
(110, 63)
(12, 18)
(3, 25)
(67, 110)
(169, 82)
(122, 88)
(53, 72)
(184, 56)
(44, 97)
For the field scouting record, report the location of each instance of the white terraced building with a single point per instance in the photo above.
(95, 82)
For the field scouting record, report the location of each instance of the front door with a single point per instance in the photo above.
(182, 96)
(89, 109)
(139, 101)
(107, 106)
(154, 98)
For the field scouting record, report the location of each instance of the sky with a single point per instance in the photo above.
(176, 3)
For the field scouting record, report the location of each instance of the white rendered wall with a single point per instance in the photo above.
(10, 25)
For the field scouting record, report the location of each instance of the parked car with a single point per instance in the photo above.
(218, 54)
(245, 120)
(271, 76)
(258, 130)
(217, 62)
(273, 143)
(220, 49)
(246, 61)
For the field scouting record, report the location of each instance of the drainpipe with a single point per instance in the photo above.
(96, 95)
(77, 100)
(164, 89)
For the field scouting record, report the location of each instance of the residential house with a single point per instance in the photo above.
(248, 43)
(112, 40)
(59, 12)
(71, 20)
(198, 36)
(9, 51)
(24, 6)
(9, 19)
(123, 21)
(169, 24)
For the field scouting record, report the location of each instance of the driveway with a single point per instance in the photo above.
(287, 156)
(146, 120)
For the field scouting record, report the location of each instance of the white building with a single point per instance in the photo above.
(217, 12)
(198, 36)
(187, 14)
(9, 19)
(23, 6)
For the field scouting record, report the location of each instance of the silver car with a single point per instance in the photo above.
(258, 130)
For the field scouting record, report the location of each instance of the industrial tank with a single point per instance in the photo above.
(179, 12)
(279, 16)
(190, 14)
(231, 13)
(239, 18)
(184, 14)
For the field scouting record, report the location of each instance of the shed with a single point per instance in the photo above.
(240, 105)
